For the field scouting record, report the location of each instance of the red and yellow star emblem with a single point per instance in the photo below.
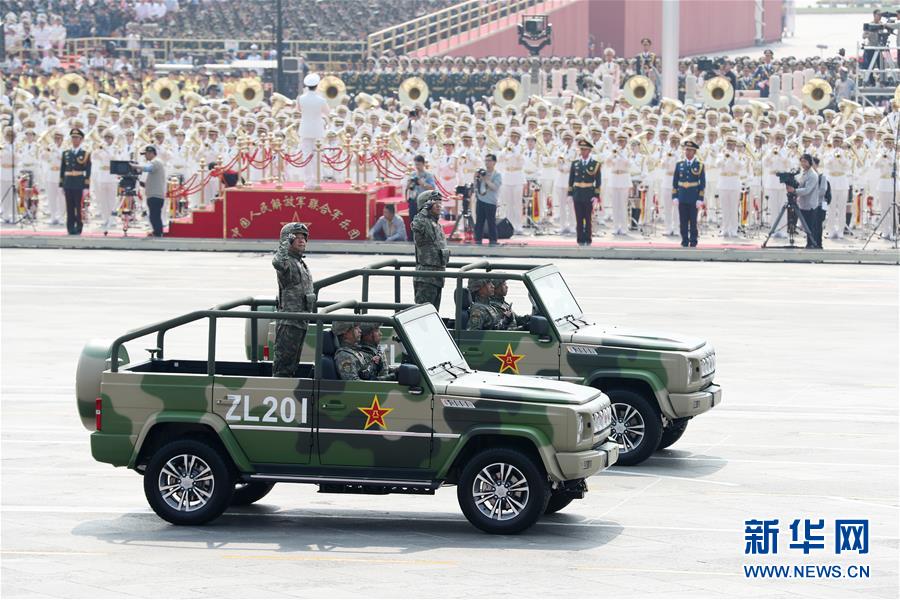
(509, 361)
(375, 414)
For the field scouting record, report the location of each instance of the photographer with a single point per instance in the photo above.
(876, 34)
(487, 184)
(808, 199)
(419, 181)
(154, 188)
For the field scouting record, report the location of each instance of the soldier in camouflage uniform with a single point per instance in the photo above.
(509, 319)
(431, 248)
(483, 315)
(353, 361)
(295, 294)
(370, 344)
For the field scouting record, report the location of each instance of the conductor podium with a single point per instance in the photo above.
(338, 211)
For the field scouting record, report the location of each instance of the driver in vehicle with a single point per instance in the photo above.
(352, 361)
(370, 345)
(483, 315)
(509, 319)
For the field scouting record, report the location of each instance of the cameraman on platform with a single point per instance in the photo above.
(876, 33)
(487, 184)
(808, 200)
(419, 181)
(154, 188)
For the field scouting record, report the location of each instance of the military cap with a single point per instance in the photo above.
(76, 131)
(497, 282)
(583, 143)
(691, 144)
(342, 327)
(367, 328)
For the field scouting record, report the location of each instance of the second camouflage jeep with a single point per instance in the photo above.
(657, 382)
(206, 434)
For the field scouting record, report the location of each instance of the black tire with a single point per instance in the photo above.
(203, 463)
(638, 415)
(672, 434)
(558, 501)
(248, 493)
(526, 501)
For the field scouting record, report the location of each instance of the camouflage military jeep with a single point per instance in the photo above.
(206, 434)
(657, 382)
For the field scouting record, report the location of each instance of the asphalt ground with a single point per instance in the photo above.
(808, 429)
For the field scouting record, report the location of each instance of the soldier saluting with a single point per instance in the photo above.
(295, 294)
(431, 248)
(584, 186)
(688, 185)
(74, 178)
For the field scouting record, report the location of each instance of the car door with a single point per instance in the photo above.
(515, 352)
(270, 417)
(373, 424)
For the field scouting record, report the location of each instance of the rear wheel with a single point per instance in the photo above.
(672, 433)
(636, 426)
(247, 493)
(188, 483)
(502, 491)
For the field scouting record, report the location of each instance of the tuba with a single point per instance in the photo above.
(22, 96)
(72, 88)
(638, 90)
(508, 91)
(579, 103)
(248, 93)
(717, 93)
(192, 100)
(758, 108)
(164, 92)
(816, 94)
(333, 88)
(670, 105)
(365, 101)
(412, 90)
(106, 101)
(279, 101)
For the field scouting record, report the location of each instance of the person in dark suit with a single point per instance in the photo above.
(74, 179)
(688, 185)
(584, 186)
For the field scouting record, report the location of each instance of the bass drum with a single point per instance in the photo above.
(93, 361)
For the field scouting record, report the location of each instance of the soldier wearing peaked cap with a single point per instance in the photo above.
(584, 186)
(688, 185)
(74, 179)
(295, 294)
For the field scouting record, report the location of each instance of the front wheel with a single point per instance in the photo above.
(672, 434)
(188, 483)
(502, 491)
(636, 426)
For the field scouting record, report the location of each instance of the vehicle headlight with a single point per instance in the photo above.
(579, 427)
(690, 371)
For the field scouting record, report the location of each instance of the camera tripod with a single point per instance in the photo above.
(464, 218)
(790, 205)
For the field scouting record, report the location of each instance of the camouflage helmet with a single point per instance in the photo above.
(291, 230)
(477, 284)
(342, 327)
(427, 198)
(498, 282)
(367, 328)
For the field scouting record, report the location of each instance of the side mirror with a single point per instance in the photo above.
(539, 326)
(409, 375)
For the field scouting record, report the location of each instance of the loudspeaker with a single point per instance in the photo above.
(504, 229)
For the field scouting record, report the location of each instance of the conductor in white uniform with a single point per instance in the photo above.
(313, 110)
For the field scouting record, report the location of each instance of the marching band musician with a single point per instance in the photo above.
(532, 165)
(547, 174)
(884, 187)
(446, 166)
(666, 159)
(562, 201)
(618, 161)
(511, 162)
(56, 204)
(775, 159)
(584, 187)
(104, 190)
(28, 160)
(754, 176)
(837, 168)
(208, 153)
(730, 173)
(710, 154)
(7, 176)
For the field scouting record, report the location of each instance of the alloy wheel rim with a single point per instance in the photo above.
(627, 427)
(186, 483)
(500, 491)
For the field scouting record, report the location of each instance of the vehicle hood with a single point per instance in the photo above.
(633, 338)
(496, 386)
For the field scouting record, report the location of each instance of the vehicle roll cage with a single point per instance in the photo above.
(397, 268)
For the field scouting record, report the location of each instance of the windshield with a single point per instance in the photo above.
(431, 342)
(557, 299)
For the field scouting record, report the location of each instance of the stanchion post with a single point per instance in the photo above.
(357, 152)
(279, 181)
(347, 151)
(318, 164)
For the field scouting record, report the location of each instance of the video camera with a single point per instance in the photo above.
(788, 178)
(128, 175)
(480, 173)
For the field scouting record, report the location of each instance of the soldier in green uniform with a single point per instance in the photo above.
(357, 361)
(483, 315)
(509, 319)
(295, 294)
(431, 248)
(370, 344)
(74, 178)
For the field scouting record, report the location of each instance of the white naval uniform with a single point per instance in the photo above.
(103, 186)
(775, 159)
(56, 202)
(837, 171)
(618, 161)
(546, 177)
(667, 159)
(510, 198)
(884, 191)
(730, 171)
(7, 184)
(562, 205)
(314, 109)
